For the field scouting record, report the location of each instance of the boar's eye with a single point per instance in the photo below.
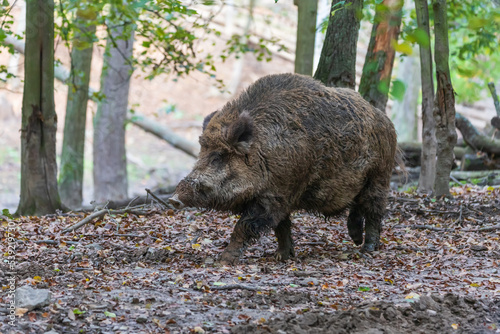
(215, 158)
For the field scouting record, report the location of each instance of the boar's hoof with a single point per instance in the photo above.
(229, 257)
(284, 254)
(356, 236)
(370, 247)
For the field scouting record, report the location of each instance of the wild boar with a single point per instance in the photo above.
(289, 143)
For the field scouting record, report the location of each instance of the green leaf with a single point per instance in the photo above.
(7, 214)
(109, 314)
(364, 288)
(219, 283)
(398, 90)
(403, 48)
(383, 87)
(78, 312)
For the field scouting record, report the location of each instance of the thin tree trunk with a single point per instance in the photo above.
(376, 78)
(337, 64)
(239, 62)
(110, 162)
(306, 34)
(428, 170)
(405, 111)
(39, 194)
(319, 40)
(72, 157)
(444, 105)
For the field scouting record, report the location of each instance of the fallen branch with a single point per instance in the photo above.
(474, 139)
(98, 214)
(464, 175)
(163, 132)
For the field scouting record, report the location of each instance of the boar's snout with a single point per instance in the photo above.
(176, 202)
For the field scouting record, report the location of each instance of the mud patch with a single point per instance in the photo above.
(429, 314)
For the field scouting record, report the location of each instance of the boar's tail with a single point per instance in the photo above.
(399, 164)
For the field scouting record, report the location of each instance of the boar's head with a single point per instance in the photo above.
(224, 177)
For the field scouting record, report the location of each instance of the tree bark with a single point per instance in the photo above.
(428, 161)
(376, 78)
(110, 164)
(494, 95)
(306, 34)
(337, 63)
(72, 157)
(39, 194)
(444, 105)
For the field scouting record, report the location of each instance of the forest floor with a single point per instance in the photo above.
(437, 272)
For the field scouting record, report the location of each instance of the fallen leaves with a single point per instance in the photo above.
(160, 270)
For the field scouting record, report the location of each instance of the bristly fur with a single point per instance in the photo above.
(289, 143)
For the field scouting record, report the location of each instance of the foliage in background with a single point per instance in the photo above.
(167, 33)
(474, 37)
(7, 20)
(474, 47)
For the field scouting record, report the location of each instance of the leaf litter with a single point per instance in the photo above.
(437, 271)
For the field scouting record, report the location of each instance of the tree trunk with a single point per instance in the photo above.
(337, 64)
(444, 105)
(405, 111)
(110, 163)
(71, 172)
(376, 78)
(428, 171)
(306, 34)
(39, 194)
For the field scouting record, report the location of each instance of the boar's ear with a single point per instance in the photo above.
(239, 133)
(207, 120)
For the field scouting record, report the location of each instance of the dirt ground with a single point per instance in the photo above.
(437, 272)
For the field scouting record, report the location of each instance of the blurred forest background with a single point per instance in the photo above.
(226, 45)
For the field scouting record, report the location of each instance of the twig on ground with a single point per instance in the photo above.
(50, 242)
(430, 227)
(101, 213)
(305, 273)
(98, 214)
(166, 206)
(437, 211)
(236, 286)
(454, 179)
(132, 201)
(484, 229)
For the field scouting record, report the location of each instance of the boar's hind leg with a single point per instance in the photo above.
(246, 230)
(373, 201)
(285, 242)
(355, 224)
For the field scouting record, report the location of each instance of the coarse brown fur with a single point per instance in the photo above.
(289, 143)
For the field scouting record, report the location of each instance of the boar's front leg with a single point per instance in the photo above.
(285, 242)
(247, 230)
